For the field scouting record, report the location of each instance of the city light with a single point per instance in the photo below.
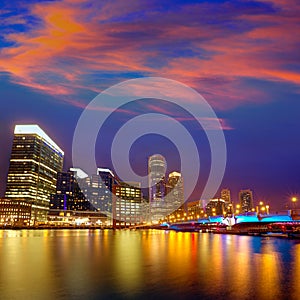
(294, 201)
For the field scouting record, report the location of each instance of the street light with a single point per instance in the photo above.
(294, 200)
(268, 207)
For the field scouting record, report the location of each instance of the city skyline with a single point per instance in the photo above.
(29, 129)
(56, 57)
(161, 187)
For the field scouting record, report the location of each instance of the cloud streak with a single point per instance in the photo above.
(73, 45)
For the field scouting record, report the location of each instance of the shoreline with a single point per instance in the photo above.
(284, 235)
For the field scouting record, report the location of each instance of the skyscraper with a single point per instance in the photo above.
(157, 187)
(68, 194)
(246, 200)
(175, 193)
(34, 163)
(97, 188)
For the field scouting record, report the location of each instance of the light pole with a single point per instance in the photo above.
(294, 200)
(268, 207)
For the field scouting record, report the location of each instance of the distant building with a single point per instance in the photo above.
(68, 194)
(226, 196)
(195, 209)
(246, 200)
(174, 192)
(97, 188)
(15, 212)
(215, 207)
(101, 188)
(157, 187)
(35, 161)
(129, 208)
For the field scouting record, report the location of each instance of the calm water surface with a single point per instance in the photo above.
(150, 264)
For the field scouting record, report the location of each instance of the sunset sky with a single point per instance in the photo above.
(242, 56)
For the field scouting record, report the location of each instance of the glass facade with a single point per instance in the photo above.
(34, 163)
(157, 187)
(175, 193)
(68, 194)
(98, 188)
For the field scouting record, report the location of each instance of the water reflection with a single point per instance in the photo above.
(83, 264)
(296, 271)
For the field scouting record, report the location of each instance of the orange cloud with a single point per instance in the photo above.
(73, 45)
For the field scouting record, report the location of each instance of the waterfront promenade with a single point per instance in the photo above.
(272, 229)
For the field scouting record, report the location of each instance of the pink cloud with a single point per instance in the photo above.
(73, 41)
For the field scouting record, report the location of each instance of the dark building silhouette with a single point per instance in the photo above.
(68, 194)
(246, 200)
(215, 207)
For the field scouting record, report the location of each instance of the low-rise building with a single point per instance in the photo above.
(215, 207)
(15, 212)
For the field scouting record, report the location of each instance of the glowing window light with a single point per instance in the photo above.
(35, 129)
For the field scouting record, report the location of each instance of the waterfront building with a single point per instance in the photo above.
(15, 212)
(195, 209)
(226, 196)
(129, 208)
(157, 187)
(174, 192)
(68, 194)
(35, 161)
(215, 207)
(57, 217)
(246, 200)
(101, 189)
(98, 188)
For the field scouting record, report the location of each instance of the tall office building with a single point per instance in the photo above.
(128, 206)
(246, 200)
(98, 188)
(157, 187)
(68, 194)
(105, 179)
(35, 161)
(175, 194)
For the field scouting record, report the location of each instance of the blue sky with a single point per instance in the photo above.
(242, 56)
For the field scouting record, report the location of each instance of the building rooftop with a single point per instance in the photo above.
(35, 129)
